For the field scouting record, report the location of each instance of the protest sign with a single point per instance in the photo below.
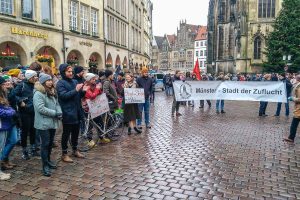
(98, 106)
(230, 90)
(134, 95)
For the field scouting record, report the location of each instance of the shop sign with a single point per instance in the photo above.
(89, 44)
(19, 31)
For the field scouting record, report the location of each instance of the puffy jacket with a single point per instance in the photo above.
(6, 114)
(69, 99)
(146, 83)
(24, 92)
(46, 109)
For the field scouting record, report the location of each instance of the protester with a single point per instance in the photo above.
(205, 78)
(152, 94)
(131, 111)
(176, 104)
(35, 66)
(145, 82)
(220, 103)
(288, 86)
(110, 90)
(263, 104)
(167, 80)
(295, 97)
(119, 83)
(47, 115)
(69, 98)
(78, 74)
(6, 114)
(24, 98)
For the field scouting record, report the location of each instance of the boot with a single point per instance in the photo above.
(34, 152)
(5, 165)
(46, 170)
(25, 154)
(137, 130)
(66, 158)
(129, 130)
(52, 165)
(77, 154)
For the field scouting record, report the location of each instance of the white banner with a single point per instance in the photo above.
(230, 90)
(98, 106)
(134, 95)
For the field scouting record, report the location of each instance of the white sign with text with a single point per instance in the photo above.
(134, 95)
(98, 106)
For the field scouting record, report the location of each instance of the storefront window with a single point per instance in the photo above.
(94, 17)
(27, 9)
(6, 7)
(84, 19)
(73, 11)
(46, 11)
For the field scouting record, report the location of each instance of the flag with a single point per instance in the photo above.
(196, 70)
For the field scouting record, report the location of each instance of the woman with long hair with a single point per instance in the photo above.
(47, 114)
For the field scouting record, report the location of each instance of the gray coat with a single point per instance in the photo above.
(111, 94)
(45, 108)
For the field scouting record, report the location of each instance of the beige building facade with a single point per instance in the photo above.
(52, 33)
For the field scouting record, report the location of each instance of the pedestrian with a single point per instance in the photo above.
(119, 83)
(78, 74)
(69, 96)
(145, 82)
(263, 104)
(152, 94)
(220, 103)
(205, 78)
(295, 97)
(168, 84)
(46, 120)
(24, 98)
(131, 111)
(6, 114)
(289, 86)
(176, 104)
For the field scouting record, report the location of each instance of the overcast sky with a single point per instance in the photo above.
(168, 13)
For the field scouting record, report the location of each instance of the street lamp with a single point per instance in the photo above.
(288, 59)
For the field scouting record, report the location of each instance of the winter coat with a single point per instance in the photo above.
(6, 114)
(296, 96)
(46, 109)
(119, 86)
(111, 94)
(79, 79)
(146, 83)
(288, 85)
(24, 92)
(69, 99)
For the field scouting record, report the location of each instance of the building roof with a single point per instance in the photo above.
(193, 28)
(171, 39)
(159, 40)
(202, 33)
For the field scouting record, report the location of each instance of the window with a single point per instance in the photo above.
(221, 43)
(204, 53)
(197, 44)
(46, 6)
(84, 19)
(94, 19)
(266, 8)
(197, 53)
(257, 48)
(201, 53)
(6, 7)
(201, 44)
(73, 15)
(27, 9)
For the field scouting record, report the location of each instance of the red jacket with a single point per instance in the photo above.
(92, 93)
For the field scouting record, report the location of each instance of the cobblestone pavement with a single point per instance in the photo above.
(200, 155)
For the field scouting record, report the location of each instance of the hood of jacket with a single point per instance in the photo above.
(62, 71)
(39, 87)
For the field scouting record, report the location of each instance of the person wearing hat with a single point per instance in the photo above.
(119, 83)
(79, 74)
(47, 115)
(24, 99)
(145, 82)
(109, 90)
(69, 96)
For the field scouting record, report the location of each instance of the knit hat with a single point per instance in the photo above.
(44, 77)
(78, 69)
(144, 70)
(2, 80)
(89, 76)
(101, 73)
(108, 73)
(14, 72)
(30, 73)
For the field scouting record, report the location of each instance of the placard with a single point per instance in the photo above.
(134, 95)
(98, 106)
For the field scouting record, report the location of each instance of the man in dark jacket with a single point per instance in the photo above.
(119, 83)
(145, 82)
(78, 74)
(176, 104)
(289, 87)
(109, 90)
(24, 98)
(69, 91)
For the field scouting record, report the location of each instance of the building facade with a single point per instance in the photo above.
(52, 33)
(200, 52)
(156, 49)
(237, 32)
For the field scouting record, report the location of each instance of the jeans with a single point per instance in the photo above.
(3, 135)
(218, 103)
(208, 102)
(175, 105)
(262, 107)
(287, 108)
(294, 126)
(27, 129)
(47, 138)
(73, 130)
(12, 139)
(146, 108)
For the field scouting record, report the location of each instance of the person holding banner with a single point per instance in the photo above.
(176, 104)
(220, 103)
(131, 111)
(295, 97)
(288, 86)
(263, 104)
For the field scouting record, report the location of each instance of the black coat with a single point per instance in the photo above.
(24, 93)
(146, 83)
(69, 100)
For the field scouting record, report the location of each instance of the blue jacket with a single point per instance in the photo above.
(69, 99)
(24, 92)
(146, 83)
(6, 114)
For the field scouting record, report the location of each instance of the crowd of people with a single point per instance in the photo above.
(34, 103)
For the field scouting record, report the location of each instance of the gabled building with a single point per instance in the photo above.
(156, 49)
(201, 48)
